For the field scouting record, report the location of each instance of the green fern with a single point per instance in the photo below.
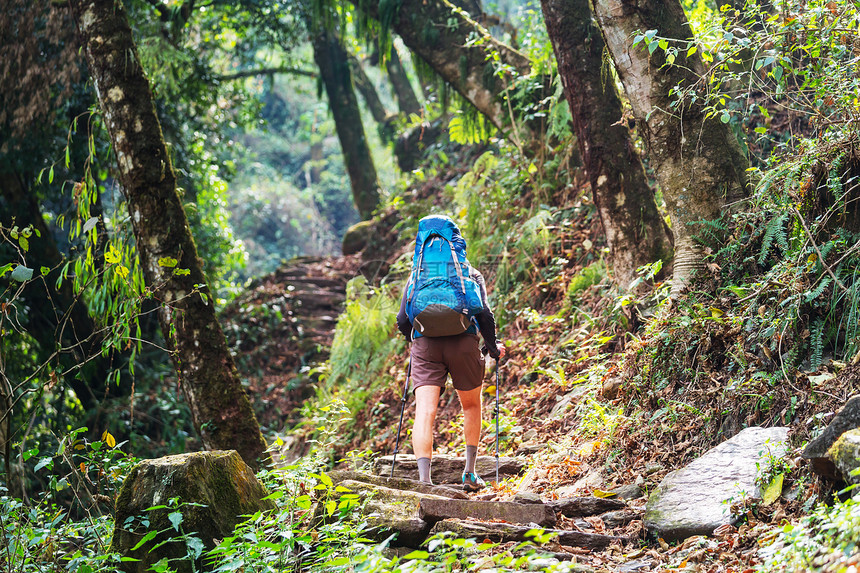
(775, 231)
(816, 292)
(711, 232)
(816, 344)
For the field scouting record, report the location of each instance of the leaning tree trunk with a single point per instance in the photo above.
(407, 101)
(697, 159)
(441, 37)
(634, 228)
(368, 92)
(331, 58)
(207, 374)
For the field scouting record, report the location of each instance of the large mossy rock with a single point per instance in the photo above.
(696, 499)
(357, 237)
(816, 450)
(212, 491)
(845, 454)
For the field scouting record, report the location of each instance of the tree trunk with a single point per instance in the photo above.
(383, 118)
(634, 228)
(440, 36)
(698, 161)
(331, 58)
(407, 101)
(207, 374)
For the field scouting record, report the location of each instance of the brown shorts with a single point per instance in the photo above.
(434, 358)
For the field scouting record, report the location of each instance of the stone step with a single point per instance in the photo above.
(585, 506)
(503, 532)
(449, 469)
(439, 509)
(403, 484)
(390, 511)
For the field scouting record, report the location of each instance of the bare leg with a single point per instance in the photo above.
(426, 403)
(470, 400)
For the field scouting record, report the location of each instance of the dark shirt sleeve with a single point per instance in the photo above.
(485, 319)
(403, 323)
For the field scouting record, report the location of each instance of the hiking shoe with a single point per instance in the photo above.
(473, 482)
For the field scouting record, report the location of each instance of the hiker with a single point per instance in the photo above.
(443, 307)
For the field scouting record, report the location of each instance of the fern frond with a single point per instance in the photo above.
(775, 229)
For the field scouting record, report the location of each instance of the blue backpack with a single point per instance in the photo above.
(442, 298)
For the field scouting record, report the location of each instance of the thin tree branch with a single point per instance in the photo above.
(267, 72)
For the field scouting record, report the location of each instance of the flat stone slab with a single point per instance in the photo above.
(694, 500)
(845, 453)
(503, 532)
(537, 513)
(448, 469)
(404, 484)
(816, 450)
(585, 506)
(390, 510)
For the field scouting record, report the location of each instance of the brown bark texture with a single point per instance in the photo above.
(697, 160)
(407, 101)
(333, 63)
(635, 231)
(440, 36)
(220, 410)
(368, 92)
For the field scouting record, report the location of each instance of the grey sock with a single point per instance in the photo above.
(424, 470)
(471, 455)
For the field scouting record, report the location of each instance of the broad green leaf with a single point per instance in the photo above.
(168, 262)
(24, 243)
(21, 274)
(175, 519)
(149, 536)
(42, 463)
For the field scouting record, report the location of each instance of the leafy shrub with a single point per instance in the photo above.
(825, 540)
(364, 340)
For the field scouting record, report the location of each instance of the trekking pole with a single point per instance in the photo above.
(402, 407)
(497, 420)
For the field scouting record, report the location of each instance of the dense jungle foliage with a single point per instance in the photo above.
(766, 333)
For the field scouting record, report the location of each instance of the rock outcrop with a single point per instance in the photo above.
(213, 491)
(816, 450)
(845, 454)
(696, 499)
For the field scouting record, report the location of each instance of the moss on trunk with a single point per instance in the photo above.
(634, 228)
(207, 375)
(697, 159)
